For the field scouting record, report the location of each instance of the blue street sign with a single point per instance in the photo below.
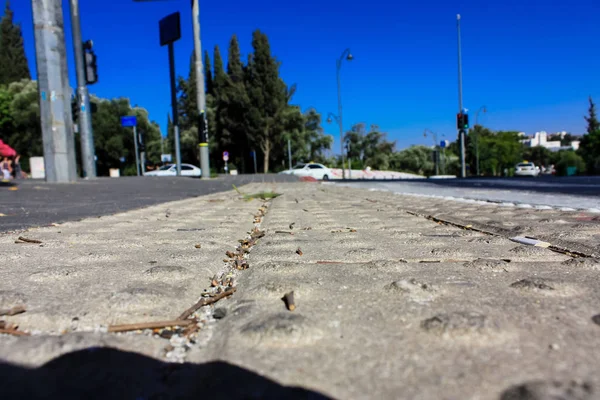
(129, 121)
(444, 144)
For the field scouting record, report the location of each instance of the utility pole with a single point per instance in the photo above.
(202, 123)
(461, 132)
(174, 109)
(54, 91)
(290, 154)
(137, 157)
(348, 56)
(88, 162)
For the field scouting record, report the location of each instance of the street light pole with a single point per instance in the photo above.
(348, 56)
(202, 123)
(461, 132)
(88, 162)
(477, 138)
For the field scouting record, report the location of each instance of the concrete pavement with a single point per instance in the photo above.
(395, 298)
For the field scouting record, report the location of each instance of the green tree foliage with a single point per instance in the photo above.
(415, 159)
(13, 62)
(369, 149)
(569, 158)
(589, 148)
(540, 156)
(114, 142)
(24, 133)
(6, 118)
(248, 108)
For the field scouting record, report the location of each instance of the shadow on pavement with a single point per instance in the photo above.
(106, 373)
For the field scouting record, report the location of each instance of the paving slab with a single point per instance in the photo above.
(389, 304)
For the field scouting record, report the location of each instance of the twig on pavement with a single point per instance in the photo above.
(148, 325)
(288, 299)
(13, 311)
(285, 232)
(25, 240)
(14, 332)
(205, 302)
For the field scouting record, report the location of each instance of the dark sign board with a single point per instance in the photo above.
(170, 29)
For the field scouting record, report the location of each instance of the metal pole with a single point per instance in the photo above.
(174, 109)
(203, 125)
(290, 154)
(463, 168)
(135, 144)
(254, 157)
(54, 91)
(83, 99)
(339, 90)
(349, 163)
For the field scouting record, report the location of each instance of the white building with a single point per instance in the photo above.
(541, 139)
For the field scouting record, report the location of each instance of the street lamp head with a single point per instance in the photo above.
(349, 57)
(329, 120)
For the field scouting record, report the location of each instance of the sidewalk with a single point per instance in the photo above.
(389, 304)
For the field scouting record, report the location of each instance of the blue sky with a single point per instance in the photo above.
(532, 63)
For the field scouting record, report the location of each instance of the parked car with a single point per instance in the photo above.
(527, 169)
(171, 170)
(317, 171)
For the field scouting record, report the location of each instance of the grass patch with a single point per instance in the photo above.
(259, 195)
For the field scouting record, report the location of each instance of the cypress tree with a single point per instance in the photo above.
(208, 73)
(13, 62)
(589, 148)
(267, 96)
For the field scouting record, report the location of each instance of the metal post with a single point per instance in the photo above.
(54, 91)
(174, 109)
(339, 90)
(203, 125)
(349, 163)
(135, 144)
(254, 157)
(290, 154)
(463, 168)
(85, 117)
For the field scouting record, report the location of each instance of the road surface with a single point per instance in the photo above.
(36, 203)
(579, 193)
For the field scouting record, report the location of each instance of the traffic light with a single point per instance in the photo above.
(91, 66)
(74, 108)
(462, 121)
(141, 142)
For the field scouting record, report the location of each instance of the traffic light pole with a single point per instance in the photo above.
(461, 132)
(202, 123)
(83, 99)
(135, 144)
(54, 91)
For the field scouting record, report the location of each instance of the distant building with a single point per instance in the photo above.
(541, 139)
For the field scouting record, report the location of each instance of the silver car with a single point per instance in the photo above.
(527, 169)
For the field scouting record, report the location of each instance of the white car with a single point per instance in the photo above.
(171, 170)
(527, 169)
(313, 170)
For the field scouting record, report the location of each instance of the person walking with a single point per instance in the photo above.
(17, 171)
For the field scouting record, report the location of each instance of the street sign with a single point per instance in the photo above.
(170, 29)
(225, 156)
(444, 144)
(129, 121)
(166, 158)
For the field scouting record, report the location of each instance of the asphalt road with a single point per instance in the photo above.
(583, 186)
(579, 193)
(37, 203)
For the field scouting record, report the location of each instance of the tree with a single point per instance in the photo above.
(589, 148)
(415, 159)
(268, 97)
(13, 62)
(568, 158)
(540, 156)
(208, 73)
(6, 118)
(25, 134)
